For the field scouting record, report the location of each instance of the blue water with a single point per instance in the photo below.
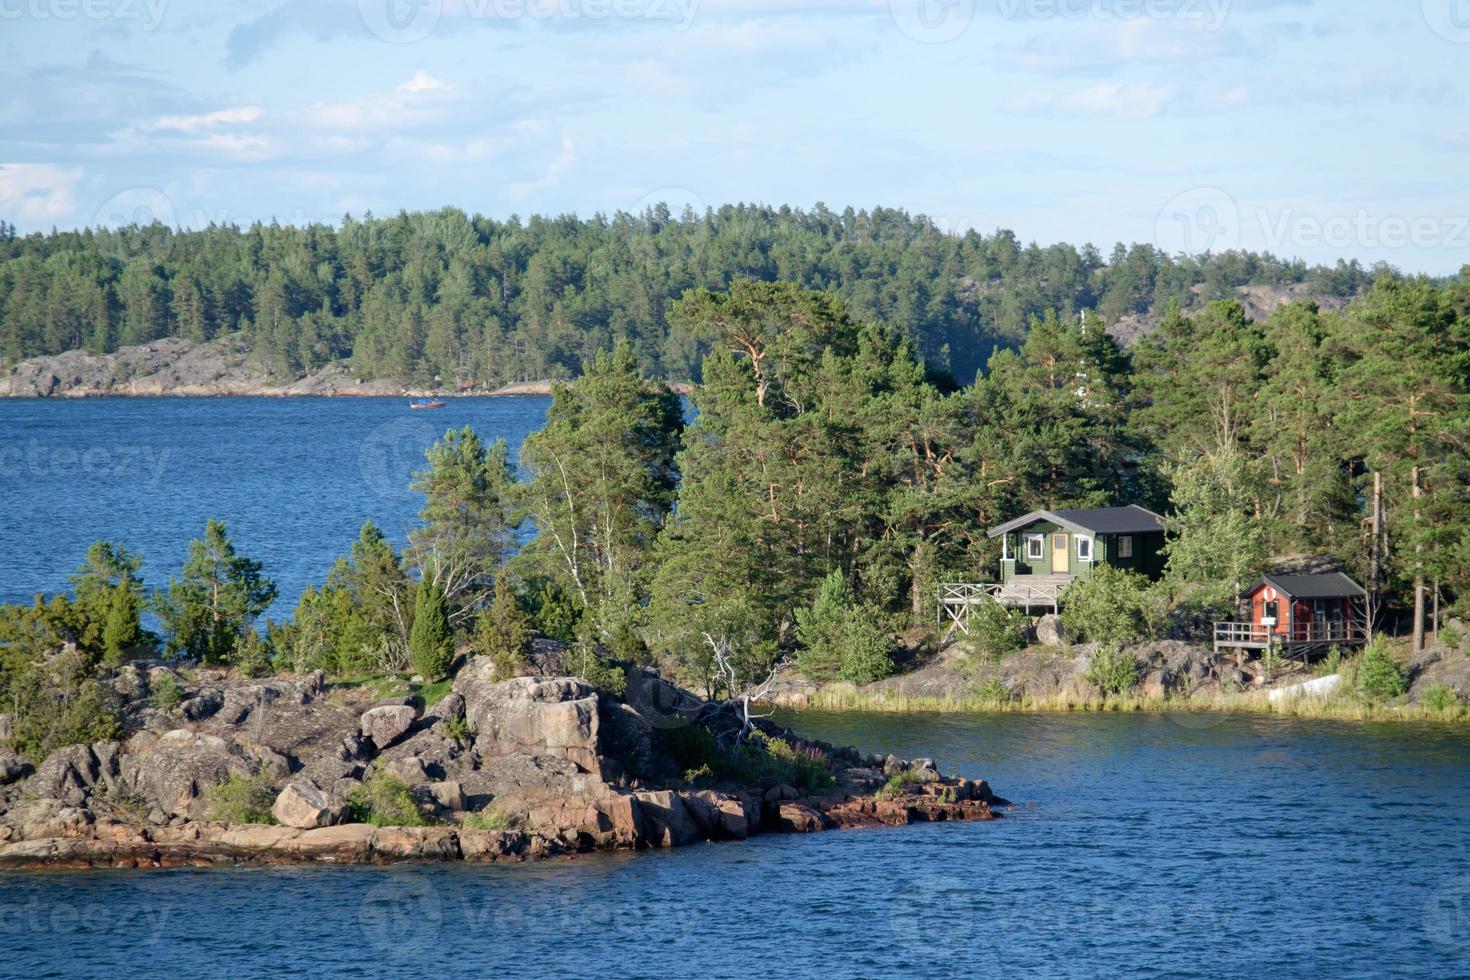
(293, 479)
(1182, 846)
(1229, 847)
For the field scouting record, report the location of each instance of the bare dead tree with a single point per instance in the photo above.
(742, 696)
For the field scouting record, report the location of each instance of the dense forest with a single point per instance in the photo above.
(477, 302)
(828, 483)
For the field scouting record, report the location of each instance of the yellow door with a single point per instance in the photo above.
(1059, 563)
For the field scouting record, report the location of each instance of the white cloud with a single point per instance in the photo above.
(36, 193)
(210, 120)
(560, 164)
(1140, 100)
(420, 99)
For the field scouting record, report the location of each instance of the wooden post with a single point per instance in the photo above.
(1375, 552)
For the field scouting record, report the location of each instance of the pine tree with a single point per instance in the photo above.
(216, 598)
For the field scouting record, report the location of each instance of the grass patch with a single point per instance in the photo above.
(488, 819)
(435, 692)
(242, 799)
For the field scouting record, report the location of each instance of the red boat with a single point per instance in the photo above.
(426, 404)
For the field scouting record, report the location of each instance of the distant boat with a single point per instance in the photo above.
(426, 404)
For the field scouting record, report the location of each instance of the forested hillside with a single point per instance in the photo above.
(475, 300)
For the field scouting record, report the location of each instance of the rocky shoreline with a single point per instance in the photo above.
(556, 766)
(223, 367)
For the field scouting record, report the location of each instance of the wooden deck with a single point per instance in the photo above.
(957, 599)
(1300, 638)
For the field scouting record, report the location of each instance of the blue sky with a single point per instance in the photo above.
(1313, 129)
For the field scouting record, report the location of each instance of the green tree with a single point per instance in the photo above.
(503, 632)
(216, 598)
(468, 528)
(600, 482)
(430, 643)
(1216, 545)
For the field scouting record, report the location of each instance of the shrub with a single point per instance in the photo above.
(840, 638)
(1271, 662)
(1112, 606)
(1112, 670)
(457, 729)
(253, 655)
(384, 800)
(57, 704)
(896, 783)
(996, 631)
(994, 692)
(555, 611)
(1379, 676)
(587, 663)
(168, 693)
(1438, 697)
(242, 799)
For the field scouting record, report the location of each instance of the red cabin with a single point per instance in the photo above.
(1299, 613)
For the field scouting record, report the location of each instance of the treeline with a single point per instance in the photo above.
(831, 480)
(474, 301)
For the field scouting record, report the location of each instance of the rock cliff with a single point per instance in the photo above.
(499, 770)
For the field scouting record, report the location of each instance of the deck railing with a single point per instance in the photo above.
(1253, 635)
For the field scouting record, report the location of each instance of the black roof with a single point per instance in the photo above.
(1132, 519)
(1333, 586)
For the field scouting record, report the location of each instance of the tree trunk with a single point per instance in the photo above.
(1375, 553)
(1418, 570)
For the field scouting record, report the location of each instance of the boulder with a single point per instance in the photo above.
(203, 705)
(387, 723)
(797, 818)
(303, 806)
(68, 774)
(447, 796)
(12, 768)
(1158, 684)
(735, 817)
(664, 820)
(531, 715)
(175, 770)
(1049, 631)
(47, 818)
(450, 708)
(410, 770)
(130, 683)
(492, 845)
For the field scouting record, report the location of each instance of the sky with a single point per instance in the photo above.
(1319, 129)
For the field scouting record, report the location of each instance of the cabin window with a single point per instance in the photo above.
(1035, 547)
(1269, 612)
(1125, 546)
(1084, 549)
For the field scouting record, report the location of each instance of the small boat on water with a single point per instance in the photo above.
(426, 404)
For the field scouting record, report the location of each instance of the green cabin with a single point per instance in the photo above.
(1068, 544)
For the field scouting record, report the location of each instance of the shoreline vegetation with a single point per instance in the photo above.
(794, 534)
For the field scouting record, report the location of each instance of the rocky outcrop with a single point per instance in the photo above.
(175, 771)
(223, 366)
(556, 717)
(545, 765)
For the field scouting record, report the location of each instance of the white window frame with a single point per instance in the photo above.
(1125, 546)
(1005, 547)
(1035, 547)
(1083, 539)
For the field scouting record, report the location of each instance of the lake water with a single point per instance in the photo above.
(1186, 846)
(293, 479)
(1233, 847)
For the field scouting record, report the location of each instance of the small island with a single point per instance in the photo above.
(226, 770)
